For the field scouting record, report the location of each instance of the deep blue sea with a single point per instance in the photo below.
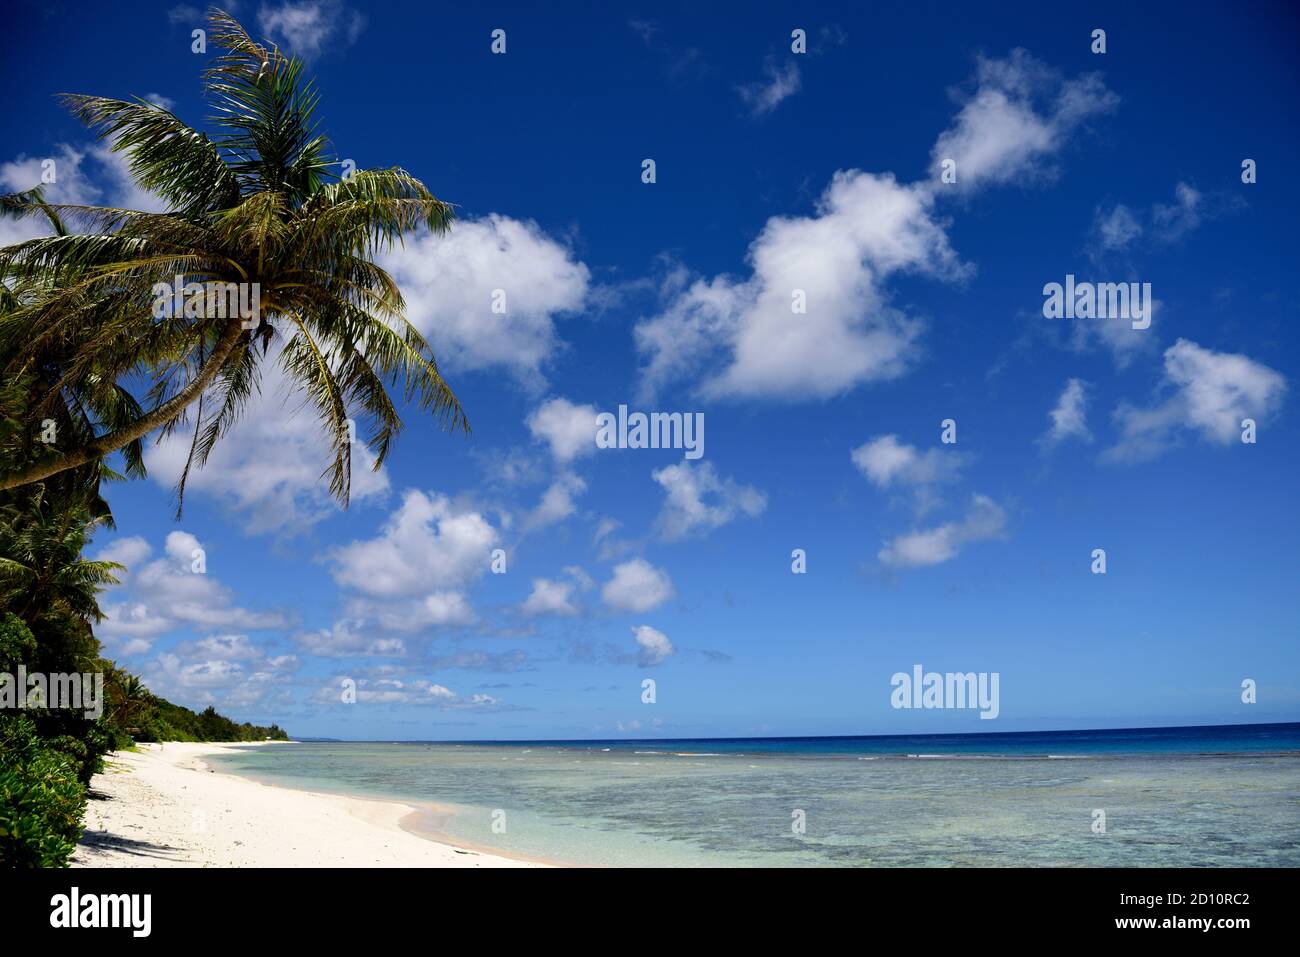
(1203, 796)
(1213, 739)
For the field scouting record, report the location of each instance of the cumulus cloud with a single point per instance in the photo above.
(780, 82)
(267, 469)
(698, 500)
(1211, 393)
(569, 429)
(550, 598)
(348, 638)
(449, 284)
(637, 586)
(1069, 417)
(410, 577)
(984, 520)
(89, 176)
(745, 335)
(1018, 116)
(744, 338)
(427, 544)
(166, 594)
(129, 552)
(893, 465)
(654, 644)
(230, 670)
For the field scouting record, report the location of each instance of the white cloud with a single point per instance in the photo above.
(410, 577)
(1115, 230)
(130, 552)
(225, 669)
(120, 188)
(742, 338)
(448, 282)
(1120, 339)
(349, 638)
(1019, 115)
(1175, 221)
(427, 545)
(637, 586)
(72, 185)
(164, 595)
(157, 99)
(550, 598)
(655, 646)
(1069, 418)
(405, 691)
(747, 341)
(267, 469)
(223, 648)
(1212, 393)
(984, 520)
(781, 81)
(438, 609)
(685, 510)
(888, 463)
(569, 429)
(310, 27)
(556, 503)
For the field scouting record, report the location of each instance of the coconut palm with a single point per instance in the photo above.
(79, 413)
(42, 572)
(255, 204)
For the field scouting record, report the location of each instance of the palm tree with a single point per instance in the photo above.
(255, 205)
(78, 413)
(42, 573)
(130, 698)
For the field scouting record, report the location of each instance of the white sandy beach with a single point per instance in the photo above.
(164, 806)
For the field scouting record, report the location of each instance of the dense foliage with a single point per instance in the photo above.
(41, 799)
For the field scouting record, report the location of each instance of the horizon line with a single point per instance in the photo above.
(787, 737)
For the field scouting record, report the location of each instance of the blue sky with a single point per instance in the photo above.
(775, 171)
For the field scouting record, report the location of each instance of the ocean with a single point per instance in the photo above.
(1198, 797)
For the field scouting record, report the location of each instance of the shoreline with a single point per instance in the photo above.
(164, 806)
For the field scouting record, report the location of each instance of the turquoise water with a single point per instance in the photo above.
(1171, 797)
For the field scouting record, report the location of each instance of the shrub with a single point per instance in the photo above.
(41, 800)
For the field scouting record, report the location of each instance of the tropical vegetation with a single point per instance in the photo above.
(95, 361)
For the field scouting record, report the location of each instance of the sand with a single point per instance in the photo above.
(164, 806)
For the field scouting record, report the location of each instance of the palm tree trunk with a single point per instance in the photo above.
(110, 443)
